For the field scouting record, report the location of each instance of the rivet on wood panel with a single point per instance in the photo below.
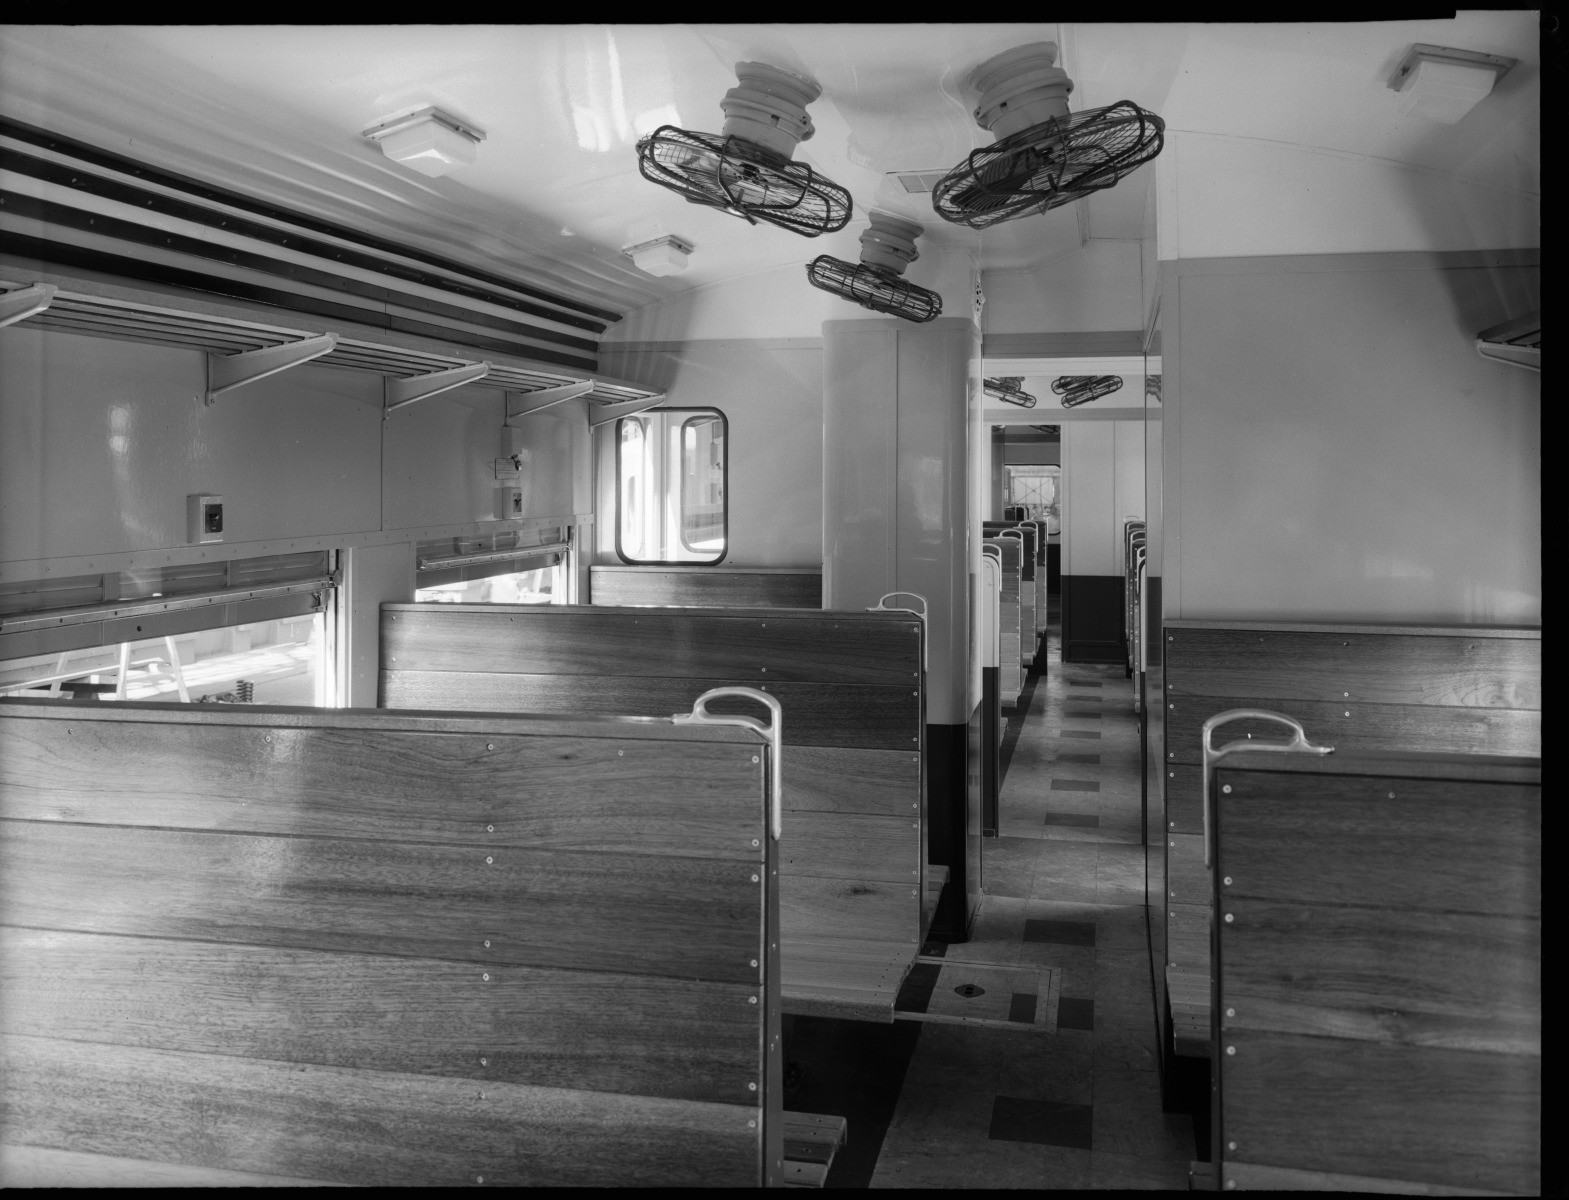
(764, 670)
(487, 943)
(483, 1061)
(489, 860)
(268, 738)
(751, 999)
(490, 745)
(1231, 1145)
(754, 878)
(1348, 712)
(1226, 788)
(1346, 695)
(1391, 795)
(1227, 881)
(485, 977)
(1171, 774)
(1231, 1050)
(751, 1087)
(1230, 918)
(620, 753)
(1231, 1185)
(490, 829)
(754, 962)
(1173, 824)
(751, 1124)
(755, 759)
(1231, 1012)
(1171, 754)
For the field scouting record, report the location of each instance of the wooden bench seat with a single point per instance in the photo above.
(853, 902)
(707, 587)
(1356, 687)
(1380, 982)
(244, 944)
(810, 1143)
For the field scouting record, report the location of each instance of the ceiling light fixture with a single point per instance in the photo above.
(428, 141)
(665, 255)
(1443, 84)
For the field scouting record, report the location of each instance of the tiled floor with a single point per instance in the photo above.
(1064, 887)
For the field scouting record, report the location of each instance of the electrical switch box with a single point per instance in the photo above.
(204, 518)
(509, 503)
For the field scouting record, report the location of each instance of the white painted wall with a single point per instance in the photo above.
(1096, 289)
(102, 440)
(1102, 486)
(1336, 449)
(771, 393)
(1225, 197)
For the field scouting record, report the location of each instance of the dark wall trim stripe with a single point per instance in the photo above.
(128, 231)
(182, 183)
(125, 267)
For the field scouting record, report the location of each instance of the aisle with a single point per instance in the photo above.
(1064, 887)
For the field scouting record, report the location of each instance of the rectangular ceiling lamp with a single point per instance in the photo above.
(1443, 84)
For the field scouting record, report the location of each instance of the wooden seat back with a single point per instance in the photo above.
(1379, 973)
(853, 854)
(245, 944)
(1010, 677)
(1356, 687)
(706, 587)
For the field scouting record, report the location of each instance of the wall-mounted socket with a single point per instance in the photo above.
(509, 503)
(204, 519)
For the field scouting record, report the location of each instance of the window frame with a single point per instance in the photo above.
(724, 549)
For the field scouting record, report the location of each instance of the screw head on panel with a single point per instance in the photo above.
(1230, 918)
(487, 943)
(1227, 881)
(490, 745)
(754, 962)
(1231, 1012)
(489, 860)
(1226, 788)
(754, 842)
(1231, 1049)
(1231, 1145)
(485, 977)
(490, 829)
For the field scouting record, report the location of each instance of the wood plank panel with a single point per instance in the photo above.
(1456, 730)
(1454, 1117)
(549, 1028)
(565, 793)
(1452, 858)
(1430, 979)
(869, 910)
(1188, 881)
(366, 1127)
(1184, 795)
(831, 779)
(36, 1167)
(816, 714)
(852, 846)
(1187, 938)
(1250, 1177)
(817, 647)
(1487, 672)
(707, 586)
(682, 917)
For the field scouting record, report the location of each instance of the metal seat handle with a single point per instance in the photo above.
(882, 605)
(774, 733)
(1211, 755)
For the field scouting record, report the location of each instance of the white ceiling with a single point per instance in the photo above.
(278, 111)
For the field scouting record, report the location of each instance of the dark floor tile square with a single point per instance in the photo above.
(933, 949)
(1079, 733)
(1082, 820)
(1064, 933)
(1074, 785)
(1084, 683)
(1075, 1014)
(1022, 1008)
(1043, 1122)
(1082, 715)
(1065, 756)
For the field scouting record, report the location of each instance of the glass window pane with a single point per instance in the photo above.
(671, 502)
(539, 586)
(703, 485)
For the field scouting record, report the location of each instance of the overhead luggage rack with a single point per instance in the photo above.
(103, 316)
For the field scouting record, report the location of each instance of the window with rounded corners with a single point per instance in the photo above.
(671, 487)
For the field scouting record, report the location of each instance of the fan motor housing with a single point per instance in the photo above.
(1020, 88)
(889, 242)
(768, 107)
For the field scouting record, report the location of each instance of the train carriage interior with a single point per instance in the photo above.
(821, 605)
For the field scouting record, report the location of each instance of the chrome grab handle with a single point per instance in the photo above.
(701, 716)
(926, 646)
(1299, 742)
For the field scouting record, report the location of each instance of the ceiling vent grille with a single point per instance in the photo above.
(918, 182)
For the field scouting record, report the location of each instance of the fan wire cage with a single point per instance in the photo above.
(743, 179)
(1050, 164)
(873, 287)
(1081, 389)
(1006, 388)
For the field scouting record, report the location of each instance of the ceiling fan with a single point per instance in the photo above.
(1044, 155)
(746, 169)
(1007, 389)
(887, 247)
(1081, 389)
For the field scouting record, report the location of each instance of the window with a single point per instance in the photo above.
(501, 568)
(254, 630)
(671, 479)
